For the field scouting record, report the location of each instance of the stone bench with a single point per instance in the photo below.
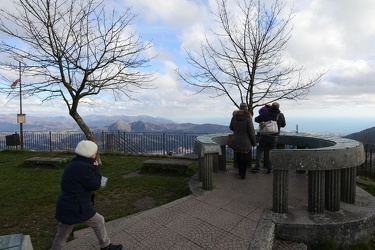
(45, 162)
(331, 163)
(178, 165)
(16, 241)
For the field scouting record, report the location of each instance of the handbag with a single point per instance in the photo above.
(230, 137)
(269, 127)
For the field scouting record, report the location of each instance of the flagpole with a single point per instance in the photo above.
(21, 123)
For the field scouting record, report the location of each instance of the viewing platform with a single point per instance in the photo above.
(311, 198)
(330, 163)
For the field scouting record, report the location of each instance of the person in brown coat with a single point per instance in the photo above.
(243, 137)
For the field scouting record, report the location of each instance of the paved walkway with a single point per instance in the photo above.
(224, 218)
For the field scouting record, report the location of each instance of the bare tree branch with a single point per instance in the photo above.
(74, 50)
(244, 61)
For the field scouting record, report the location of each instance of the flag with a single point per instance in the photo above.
(14, 84)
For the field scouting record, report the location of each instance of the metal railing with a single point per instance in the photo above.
(162, 143)
(366, 169)
(148, 143)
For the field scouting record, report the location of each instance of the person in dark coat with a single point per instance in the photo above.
(268, 142)
(243, 137)
(259, 152)
(75, 204)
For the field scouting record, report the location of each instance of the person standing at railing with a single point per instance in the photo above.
(243, 137)
(259, 150)
(75, 204)
(269, 142)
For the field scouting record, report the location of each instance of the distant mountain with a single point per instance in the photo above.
(140, 126)
(38, 123)
(118, 126)
(108, 123)
(366, 136)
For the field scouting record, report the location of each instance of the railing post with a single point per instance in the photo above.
(109, 137)
(124, 142)
(118, 141)
(50, 141)
(103, 142)
(164, 149)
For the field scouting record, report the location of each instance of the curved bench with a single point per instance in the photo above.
(331, 163)
(329, 160)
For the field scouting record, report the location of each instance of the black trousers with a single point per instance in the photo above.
(242, 161)
(267, 143)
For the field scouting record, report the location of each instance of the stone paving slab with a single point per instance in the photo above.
(234, 215)
(224, 218)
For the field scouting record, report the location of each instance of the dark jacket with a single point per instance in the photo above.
(272, 114)
(243, 131)
(80, 178)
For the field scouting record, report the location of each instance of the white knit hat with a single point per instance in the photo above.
(86, 148)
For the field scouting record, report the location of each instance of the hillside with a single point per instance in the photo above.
(366, 136)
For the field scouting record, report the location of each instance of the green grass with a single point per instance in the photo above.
(28, 195)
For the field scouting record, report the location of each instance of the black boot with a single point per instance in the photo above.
(112, 247)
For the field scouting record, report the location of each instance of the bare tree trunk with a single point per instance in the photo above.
(83, 126)
(74, 50)
(86, 130)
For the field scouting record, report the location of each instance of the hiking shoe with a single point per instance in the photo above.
(112, 247)
(255, 170)
(269, 172)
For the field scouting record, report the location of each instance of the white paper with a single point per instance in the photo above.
(104, 181)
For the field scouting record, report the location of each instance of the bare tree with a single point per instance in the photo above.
(74, 50)
(244, 60)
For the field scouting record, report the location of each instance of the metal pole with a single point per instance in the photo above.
(21, 123)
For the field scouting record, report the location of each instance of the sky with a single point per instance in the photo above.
(336, 35)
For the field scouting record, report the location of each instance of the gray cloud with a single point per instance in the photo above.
(337, 35)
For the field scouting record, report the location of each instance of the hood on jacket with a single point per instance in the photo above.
(241, 115)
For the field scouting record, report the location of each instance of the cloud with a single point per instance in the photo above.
(174, 14)
(335, 35)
